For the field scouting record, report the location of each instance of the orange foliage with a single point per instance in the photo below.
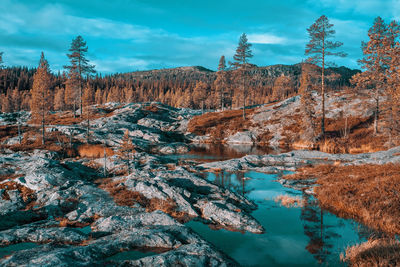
(368, 193)
(375, 252)
(125, 197)
(94, 151)
(221, 124)
(26, 194)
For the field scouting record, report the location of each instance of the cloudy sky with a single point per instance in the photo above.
(128, 35)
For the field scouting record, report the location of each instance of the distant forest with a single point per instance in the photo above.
(190, 87)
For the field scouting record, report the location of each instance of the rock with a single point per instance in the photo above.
(241, 138)
(198, 254)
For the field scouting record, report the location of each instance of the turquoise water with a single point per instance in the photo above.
(296, 236)
(86, 230)
(8, 250)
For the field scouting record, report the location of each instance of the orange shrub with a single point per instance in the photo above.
(94, 151)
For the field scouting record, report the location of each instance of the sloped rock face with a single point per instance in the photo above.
(241, 138)
(282, 120)
(50, 202)
(292, 160)
(148, 124)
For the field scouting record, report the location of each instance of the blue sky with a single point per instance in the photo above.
(128, 35)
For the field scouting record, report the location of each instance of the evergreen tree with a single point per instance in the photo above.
(221, 82)
(318, 48)
(376, 63)
(393, 50)
(1, 60)
(79, 65)
(241, 60)
(41, 92)
(200, 94)
(281, 88)
(59, 98)
(308, 102)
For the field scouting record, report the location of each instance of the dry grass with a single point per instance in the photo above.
(9, 131)
(374, 252)
(67, 117)
(94, 151)
(125, 197)
(221, 124)
(368, 193)
(54, 141)
(64, 222)
(28, 195)
(151, 108)
(289, 201)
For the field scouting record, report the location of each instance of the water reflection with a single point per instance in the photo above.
(235, 182)
(214, 152)
(302, 236)
(313, 220)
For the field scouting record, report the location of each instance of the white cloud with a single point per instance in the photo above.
(265, 38)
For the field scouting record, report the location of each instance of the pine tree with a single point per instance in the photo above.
(392, 45)
(221, 82)
(41, 92)
(376, 63)
(281, 88)
(99, 97)
(1, 60)
(126, 150)
(59, 98)
(318, 48)
(79, 65)
(71, 91)
(6, 103)
(308, 102)
(241, 60)
(200, 94)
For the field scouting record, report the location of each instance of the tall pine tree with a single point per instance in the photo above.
(221, 82)
(318, 48)
(241, 60)
(376, 63)
(41, 93)
(79, 66)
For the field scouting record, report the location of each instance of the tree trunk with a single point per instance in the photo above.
(376, 115)
(105, 162)
(244, 98)
(43, 128)
(222, 100)
(19, 130)
(128, 165)
(81, 94)
(74, 108)
(88, 126)
(323, 98)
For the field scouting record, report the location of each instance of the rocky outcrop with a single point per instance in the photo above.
(49, 202)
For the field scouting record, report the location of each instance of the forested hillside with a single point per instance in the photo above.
(178, 87)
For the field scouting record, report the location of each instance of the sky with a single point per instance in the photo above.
(130, 35)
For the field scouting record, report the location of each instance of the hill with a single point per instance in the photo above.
(175, 87)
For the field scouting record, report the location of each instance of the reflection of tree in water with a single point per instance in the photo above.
(225, 180)
(228, 151)
(313, 222)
